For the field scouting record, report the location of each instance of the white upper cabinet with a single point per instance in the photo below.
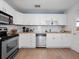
(59, 19)
(35, 20)
(56, 19)
(44, 19)
(31, 19)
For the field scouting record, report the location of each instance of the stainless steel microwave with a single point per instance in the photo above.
(5, 18)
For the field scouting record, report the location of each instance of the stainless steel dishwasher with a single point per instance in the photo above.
(40, 40)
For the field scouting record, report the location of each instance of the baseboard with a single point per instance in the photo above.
(57, 47)
(27, 47)
(75, 50)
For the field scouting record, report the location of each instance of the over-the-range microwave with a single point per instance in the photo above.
(5, 18)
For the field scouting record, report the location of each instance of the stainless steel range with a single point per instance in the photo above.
(8, 45)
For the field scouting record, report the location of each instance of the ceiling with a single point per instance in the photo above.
(46, 6)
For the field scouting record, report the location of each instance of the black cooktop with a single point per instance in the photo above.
(3, 38)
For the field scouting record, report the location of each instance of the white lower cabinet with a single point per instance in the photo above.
(53, 40)
(27, 40)
(75, 42)
(58, 41)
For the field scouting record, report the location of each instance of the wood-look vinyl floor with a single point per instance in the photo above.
(44, 53)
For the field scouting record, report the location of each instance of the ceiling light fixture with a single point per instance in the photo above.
(37, 6)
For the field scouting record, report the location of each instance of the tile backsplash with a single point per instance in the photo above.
(48, 29)
(35, 28)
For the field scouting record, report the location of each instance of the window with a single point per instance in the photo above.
(77, 24)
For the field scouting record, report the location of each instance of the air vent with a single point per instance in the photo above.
(37, 6)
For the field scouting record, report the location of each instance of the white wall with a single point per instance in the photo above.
(73, 14)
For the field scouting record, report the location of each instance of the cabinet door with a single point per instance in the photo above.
(30, 19)
(53, 41)
(58, 41)
(62, 19)
(27, 41)
(22, 40)
(49, 42)
(66, 40)
(47, 19)
(43, 20)
(59, 19)
(31, 40)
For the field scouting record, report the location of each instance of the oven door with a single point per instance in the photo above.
(11, 46)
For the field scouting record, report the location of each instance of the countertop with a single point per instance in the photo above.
(46, 32)
(8, 37)
(59, 32)
(27, 33)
